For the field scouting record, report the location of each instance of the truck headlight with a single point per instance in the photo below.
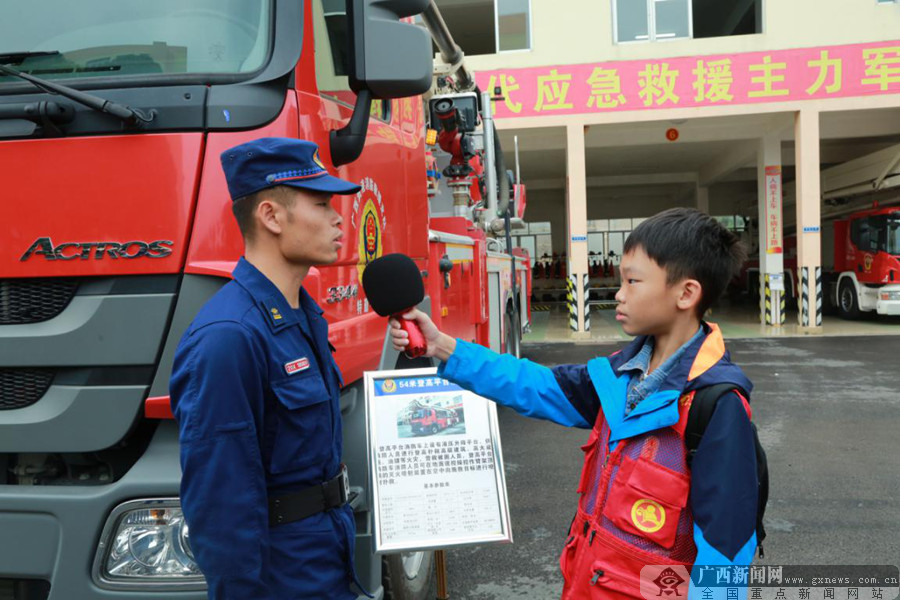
(145, 545)
(890, 295)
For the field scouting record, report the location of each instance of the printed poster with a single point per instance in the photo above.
(435, 462)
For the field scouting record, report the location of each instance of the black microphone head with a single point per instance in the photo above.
(393, 284)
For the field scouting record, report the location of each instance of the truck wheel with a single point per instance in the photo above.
(848, 304)
(407, 576)
(513, 333)
(434, 429)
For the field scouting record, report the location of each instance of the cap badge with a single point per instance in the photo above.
(318, 160)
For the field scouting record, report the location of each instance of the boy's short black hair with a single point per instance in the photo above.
(690, 244)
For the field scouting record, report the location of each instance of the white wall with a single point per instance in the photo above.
(582, 32)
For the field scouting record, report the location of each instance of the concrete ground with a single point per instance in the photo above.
(550, 323)
(828, 416)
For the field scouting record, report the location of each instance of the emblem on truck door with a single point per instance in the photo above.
(369, 219)
(97, 250)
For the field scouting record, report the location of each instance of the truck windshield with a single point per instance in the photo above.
(109, 38)
(893, 236)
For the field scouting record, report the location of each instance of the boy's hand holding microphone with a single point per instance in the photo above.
(393, 285)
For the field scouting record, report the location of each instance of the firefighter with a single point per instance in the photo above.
(256, 393)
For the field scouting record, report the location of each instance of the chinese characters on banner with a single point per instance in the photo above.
(773, 211)
(435, 460)
(781, 75)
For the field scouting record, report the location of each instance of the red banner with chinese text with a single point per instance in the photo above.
(773, 211)
(781, 75)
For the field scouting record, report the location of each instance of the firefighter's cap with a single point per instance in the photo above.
(268, 162)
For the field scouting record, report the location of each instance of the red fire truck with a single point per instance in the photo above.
(430, 420)
(118, 229)
(866, 275)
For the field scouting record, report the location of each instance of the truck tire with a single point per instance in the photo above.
(407, 576)
(848, 303)
(513, 334)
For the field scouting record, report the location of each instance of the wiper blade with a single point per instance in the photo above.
(17, 57)
(131, 116)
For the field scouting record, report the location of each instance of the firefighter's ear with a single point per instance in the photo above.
(270, 216)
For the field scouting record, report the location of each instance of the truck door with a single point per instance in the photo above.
(390, 213)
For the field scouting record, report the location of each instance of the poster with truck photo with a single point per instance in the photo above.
(435, 462)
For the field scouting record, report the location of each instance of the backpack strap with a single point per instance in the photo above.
(700, 414)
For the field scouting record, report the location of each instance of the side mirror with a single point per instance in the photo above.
(388, 59)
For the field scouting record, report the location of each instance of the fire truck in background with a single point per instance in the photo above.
(118, 229)
(860, 230)
(866, 276)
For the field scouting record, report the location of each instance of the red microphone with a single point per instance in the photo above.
(393, 286)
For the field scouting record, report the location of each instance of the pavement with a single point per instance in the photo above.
(550, 323)
(828, 416)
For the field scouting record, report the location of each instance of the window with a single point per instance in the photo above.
(734, 223)
(513, 27)
(651, 20)
(98, 38)
(332, 60)
(716, 18)
(893, 235)
(617, 243)
(659, 20)
(528, 243)
(861, 235)
(488, 26)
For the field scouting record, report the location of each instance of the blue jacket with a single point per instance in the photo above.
(251, 427)
(723, 493)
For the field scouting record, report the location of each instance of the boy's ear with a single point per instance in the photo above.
(690, 292)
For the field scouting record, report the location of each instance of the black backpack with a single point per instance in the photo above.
(702, 407)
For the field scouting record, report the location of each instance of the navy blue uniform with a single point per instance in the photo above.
(256, 394)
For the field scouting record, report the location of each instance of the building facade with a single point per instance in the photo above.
(622, 108)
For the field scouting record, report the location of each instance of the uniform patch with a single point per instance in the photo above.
(648, 516)
(295, 366)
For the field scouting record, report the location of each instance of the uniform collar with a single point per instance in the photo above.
(278, 313)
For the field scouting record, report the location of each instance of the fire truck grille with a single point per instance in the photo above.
(24, 301)
(23, 387)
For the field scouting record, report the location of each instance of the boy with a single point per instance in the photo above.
(640, 503)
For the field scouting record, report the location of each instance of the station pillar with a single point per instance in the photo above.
(809, 239)
(576, 233)
(702, 198)
(771, 231)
